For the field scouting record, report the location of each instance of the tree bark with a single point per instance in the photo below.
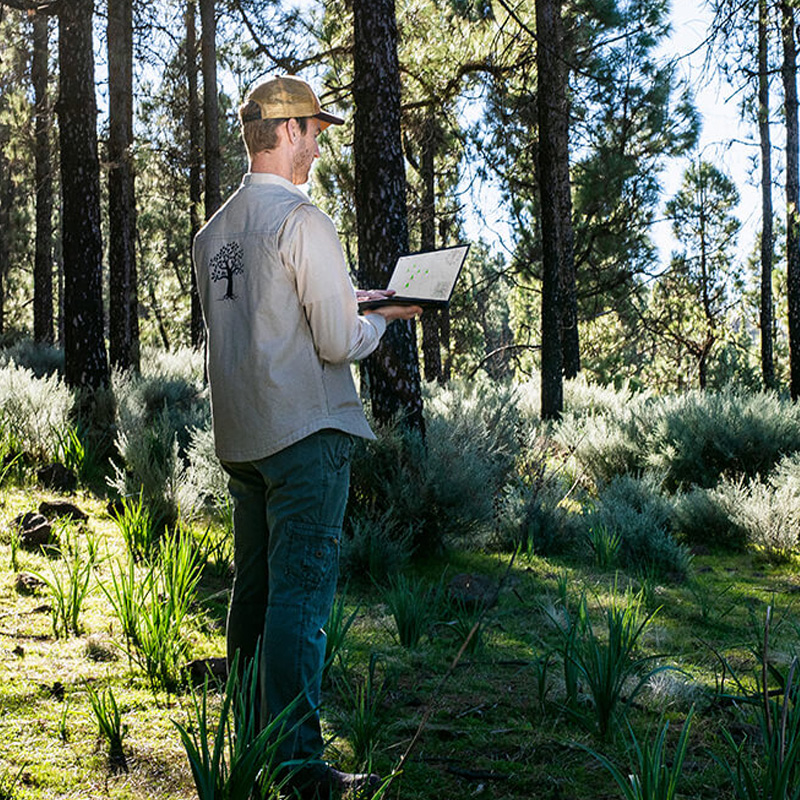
(193, 125)
(431, 345)
(789, 75)
(380, 189)
(210, 106)
(6, 204)
(43, 254)
(550, 116)
(123, 325)
(85, 359)
(766, 311)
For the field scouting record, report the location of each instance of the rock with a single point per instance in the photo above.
(98, 648)
(57, 477)
(25, 583)
(62, 508)
(473, 591)
(34, 530)
(203, 668)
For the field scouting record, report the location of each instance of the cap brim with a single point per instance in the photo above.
(329, 119)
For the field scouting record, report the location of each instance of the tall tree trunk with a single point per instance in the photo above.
(6, 203)
(789, 74)
(210, 106)
(123, 327)
(193, 125)
(766, 315)
(431, 320)
(43, 256)
(85, 359)
(380, 190)
(550, 113)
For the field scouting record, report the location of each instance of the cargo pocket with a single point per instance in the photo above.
(312, 555)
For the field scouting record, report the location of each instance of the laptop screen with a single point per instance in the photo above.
(429, 276)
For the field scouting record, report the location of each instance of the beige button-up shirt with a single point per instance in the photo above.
(281, 319)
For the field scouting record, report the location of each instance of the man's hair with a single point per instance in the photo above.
(262, 134)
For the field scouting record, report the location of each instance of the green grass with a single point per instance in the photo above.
(495, 722)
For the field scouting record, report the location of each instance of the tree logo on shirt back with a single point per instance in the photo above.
(229, 261)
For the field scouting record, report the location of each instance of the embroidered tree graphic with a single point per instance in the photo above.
(225, 264)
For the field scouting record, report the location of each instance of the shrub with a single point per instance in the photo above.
(372, 549)
(204, 483)
(445, 488)
(636, 510)
(152, 468)
(34, 411)
(156, 413)
(768, 512)
(692, 439)
(40, 359)
(703, 517)
(532, 516)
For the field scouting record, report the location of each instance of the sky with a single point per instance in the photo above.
(725, 140)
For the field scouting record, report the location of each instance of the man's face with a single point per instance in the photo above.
(306, 150)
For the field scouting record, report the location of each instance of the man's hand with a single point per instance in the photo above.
(373, 294)
(390, 313)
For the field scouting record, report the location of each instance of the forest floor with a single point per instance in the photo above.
(497, 723)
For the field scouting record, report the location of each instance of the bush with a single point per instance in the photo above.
(446, 487)
(767, 512)
(638, 511)
(158, 415)
(35, 411)
(691, 439)
(372, 549)
(531, 515)
(41, 359)
(204, 484)
(703, 517)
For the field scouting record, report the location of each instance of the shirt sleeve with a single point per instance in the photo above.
(311, 249)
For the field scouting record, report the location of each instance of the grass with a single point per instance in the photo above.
(494, 723)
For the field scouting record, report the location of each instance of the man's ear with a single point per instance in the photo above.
(292, 130)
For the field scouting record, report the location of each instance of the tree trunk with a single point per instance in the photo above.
(789, 74)
(123, 320)
(43, 257)
(193, 125)
(6, 204)
(766, 316)
(84, 346)
(210, 106)
(550, 113)
(430, 320)
(380, 190)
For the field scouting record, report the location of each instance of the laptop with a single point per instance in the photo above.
(423, 279)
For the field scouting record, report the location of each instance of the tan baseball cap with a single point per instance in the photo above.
(286, 97)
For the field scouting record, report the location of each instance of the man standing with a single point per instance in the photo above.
(282, 328)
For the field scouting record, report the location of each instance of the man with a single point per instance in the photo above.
(282, 327)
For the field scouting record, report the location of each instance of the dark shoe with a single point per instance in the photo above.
(334, 784)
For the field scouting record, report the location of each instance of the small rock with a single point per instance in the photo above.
(201, 668)
(62, 508)
(57, 477)
(472, 591)
(25, 583)
(99, 649)
(34, 530)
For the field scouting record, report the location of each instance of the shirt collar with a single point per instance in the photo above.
(262, 178)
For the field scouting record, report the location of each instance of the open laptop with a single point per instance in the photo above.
(423, 279)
